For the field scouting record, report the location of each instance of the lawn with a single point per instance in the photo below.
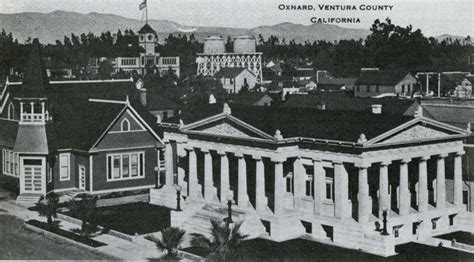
(303, 250)
(141, 218)
(461, 237)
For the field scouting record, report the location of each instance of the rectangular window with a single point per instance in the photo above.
(10, 163)
(309, 185)
(289, 182)
(64, 160)
(125, 166)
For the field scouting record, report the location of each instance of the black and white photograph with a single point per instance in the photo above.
(237, 130)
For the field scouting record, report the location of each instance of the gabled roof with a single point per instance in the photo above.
(305, 72)
(457, 115)
(418, 130)
(337, 81)
(8, 131)
(304, 122)
(146, 29)
(470, 78)
(381, 77)
(247, 98)
(341, 101)
(230, 72)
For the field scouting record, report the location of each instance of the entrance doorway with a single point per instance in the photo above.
(32, 171)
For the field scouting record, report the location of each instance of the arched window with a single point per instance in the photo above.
(125, 125)
(11, 111)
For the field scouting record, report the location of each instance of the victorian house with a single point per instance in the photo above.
(92, 136)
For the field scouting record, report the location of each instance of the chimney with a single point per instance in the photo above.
(377, 109)
(142, 92)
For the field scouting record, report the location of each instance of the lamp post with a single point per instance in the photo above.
(384, 220)
(178, 198)
(228, 219)
(157, 177)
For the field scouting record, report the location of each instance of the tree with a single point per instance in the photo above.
(171, 239)
(83, 207)
(105, 69)
(48, 206)
(225, 241)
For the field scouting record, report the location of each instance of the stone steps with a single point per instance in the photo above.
(200, 221)
(28, 200)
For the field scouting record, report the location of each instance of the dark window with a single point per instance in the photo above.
(32, 162)
(451, 219)
(414, 228)
(329, 231)
(308, 227)
(267, 226)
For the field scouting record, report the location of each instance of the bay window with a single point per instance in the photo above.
(125, 166)
(10, 163)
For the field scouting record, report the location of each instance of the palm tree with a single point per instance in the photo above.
(224, 243)
(48, 206)
(83, 208)
(171, 239)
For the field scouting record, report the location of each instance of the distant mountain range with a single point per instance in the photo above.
(49, 27)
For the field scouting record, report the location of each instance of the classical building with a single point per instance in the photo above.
(73, 136)
(149, 58)
(326, 176)
(374, 82)
(215, 56)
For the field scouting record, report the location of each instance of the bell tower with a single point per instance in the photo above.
(147, 39)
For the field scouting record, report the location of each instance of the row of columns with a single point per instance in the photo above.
(341, 183)
(404, 193)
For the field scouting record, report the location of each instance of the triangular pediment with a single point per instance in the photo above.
(225, 125)
(417, 130)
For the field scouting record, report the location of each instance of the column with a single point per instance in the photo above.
(458, 178)
(208, 181)
(363, 195)
(225, 186)
(422, 185)
(242, 195)
(169, 164)
(440, 182)
(279, 187)
(193, 179)
(384, 197)
(298, 182)
(403, 190)
(341, 194)
(260, 198)
(319, 180)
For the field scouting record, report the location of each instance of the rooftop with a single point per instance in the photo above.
(146, 29)
(230, 72)
(303, 122)
(381, 77)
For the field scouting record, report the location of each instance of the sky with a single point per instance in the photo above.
(433, 17)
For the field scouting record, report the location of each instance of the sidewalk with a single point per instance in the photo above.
(138, 249)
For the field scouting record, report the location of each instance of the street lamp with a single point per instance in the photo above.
(178, 198)
(228, 219)
(384, 220)
(157, 170)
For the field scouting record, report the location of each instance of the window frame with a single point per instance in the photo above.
(10, 161)
(68, 166)
(140, 166)
(125, 120)
(289, 183)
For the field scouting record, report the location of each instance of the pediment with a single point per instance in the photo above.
(415, 133)
(225, 125)
(417, 130)
(225, 129)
